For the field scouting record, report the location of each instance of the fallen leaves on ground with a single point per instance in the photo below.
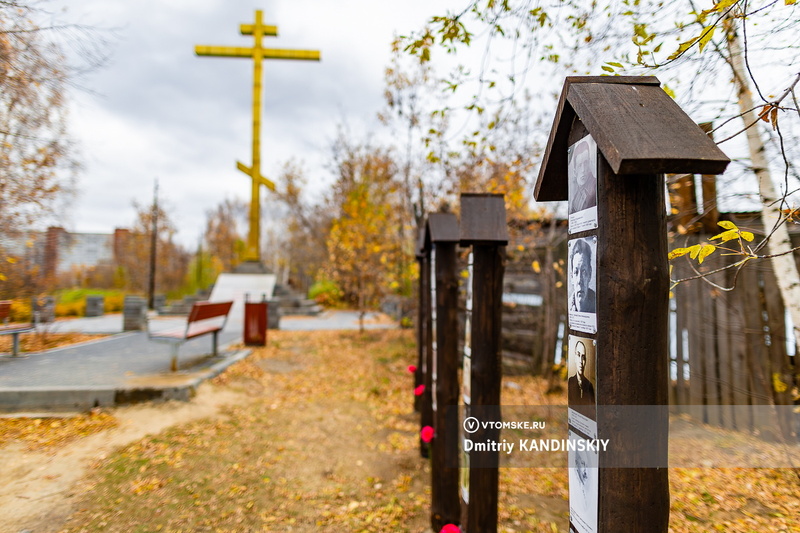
(327, 441)
(40, 433)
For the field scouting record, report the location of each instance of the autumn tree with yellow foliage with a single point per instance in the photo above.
(368, 256)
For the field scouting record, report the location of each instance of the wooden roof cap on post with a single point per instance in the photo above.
(483, 219)
(638, 128)
(440, 227)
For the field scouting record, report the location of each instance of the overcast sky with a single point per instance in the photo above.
(159, 111)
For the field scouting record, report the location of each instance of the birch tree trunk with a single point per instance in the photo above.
(779, 245)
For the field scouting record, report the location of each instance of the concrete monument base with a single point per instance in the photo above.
(235, 286)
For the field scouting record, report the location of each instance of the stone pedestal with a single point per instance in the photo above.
(134, 313)
(95, 306)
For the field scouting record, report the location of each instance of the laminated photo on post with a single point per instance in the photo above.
(582, 175)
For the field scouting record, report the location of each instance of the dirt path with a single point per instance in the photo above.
(38, 489)
(302, 436)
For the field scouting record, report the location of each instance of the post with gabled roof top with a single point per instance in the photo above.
(612, 141)
(441, 238)
(483, 227)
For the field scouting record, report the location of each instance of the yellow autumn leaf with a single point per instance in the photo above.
(520, 248)
(536, 267)
(727, 235)
(777, 384)
(722, 5)
(790, 2)
(705, 251)
(682, 48)
(746, 235)
(705, 37)
(11, 260)
(727, 224)
(694, 251)
(677, 252)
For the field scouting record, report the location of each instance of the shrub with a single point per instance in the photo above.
(71, 309)
(326, 293)
(20, 310)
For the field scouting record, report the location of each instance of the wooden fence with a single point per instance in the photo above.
(730, 364)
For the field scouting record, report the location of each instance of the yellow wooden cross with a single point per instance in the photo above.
(258, 53)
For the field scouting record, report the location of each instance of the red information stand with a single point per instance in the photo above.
(255, 322)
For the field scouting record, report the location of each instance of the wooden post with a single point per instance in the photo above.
(441, 239)
(421, 322)
(615, 138)
(483, 226)
(426, 413)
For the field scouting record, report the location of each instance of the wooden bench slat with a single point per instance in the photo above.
(199, 322)
(15, 328)
(205, 310)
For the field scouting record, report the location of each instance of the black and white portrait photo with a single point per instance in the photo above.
(582, 174)
(581, 380)
(582, 284)
(583, 485)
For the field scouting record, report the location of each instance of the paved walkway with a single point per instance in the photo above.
(127, 367)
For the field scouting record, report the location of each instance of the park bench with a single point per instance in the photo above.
(204, 318)
(12, 329)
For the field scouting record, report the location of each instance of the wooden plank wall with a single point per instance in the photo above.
(531, 332)
(729, 360)
(728, 356)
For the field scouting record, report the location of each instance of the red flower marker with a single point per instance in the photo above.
(412, 368)
(426, 434)
(450, 528)
(419, 390)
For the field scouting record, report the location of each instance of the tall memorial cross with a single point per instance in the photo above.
(258, 53)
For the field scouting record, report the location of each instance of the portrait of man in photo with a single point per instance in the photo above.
(582, 175)
(582, 296)
(580, 389)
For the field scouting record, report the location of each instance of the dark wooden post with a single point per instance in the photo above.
(421, 320)
(425, 369)
(441, 239)
(483, 226)
(636, 133)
